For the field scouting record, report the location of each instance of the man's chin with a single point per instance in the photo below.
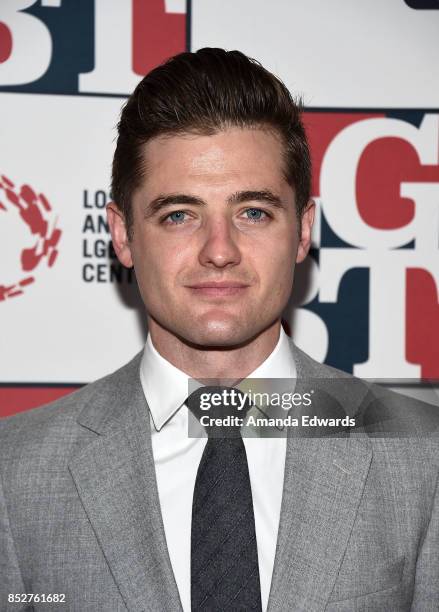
(219, 336)
(213, 332)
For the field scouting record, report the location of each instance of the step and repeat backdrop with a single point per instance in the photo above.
(365, 301)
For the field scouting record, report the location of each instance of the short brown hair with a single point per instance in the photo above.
(204, 92)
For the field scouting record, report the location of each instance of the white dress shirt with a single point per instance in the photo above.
(176, 459)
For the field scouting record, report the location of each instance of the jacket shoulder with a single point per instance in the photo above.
(55, 423)
(307, 367)
(380, 412)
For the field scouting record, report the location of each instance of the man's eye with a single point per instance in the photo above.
(176, 217)
(256, 214)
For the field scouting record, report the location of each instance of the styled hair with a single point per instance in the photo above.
(202, 93)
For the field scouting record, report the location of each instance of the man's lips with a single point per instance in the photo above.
(218, 289)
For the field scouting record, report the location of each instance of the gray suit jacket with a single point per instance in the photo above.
(80, 515)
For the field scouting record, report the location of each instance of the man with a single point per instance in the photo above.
(103, 496)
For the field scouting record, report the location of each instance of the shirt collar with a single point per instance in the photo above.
(166, 387)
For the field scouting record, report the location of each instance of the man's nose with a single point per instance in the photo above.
(219, 248)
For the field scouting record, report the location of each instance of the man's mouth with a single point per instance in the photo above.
(218, 288)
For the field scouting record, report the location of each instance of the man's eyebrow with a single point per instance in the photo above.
(262, 195)
(162, 201)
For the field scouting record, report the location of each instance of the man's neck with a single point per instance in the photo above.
(218, 363)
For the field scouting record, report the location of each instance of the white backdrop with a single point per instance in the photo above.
(368, 72)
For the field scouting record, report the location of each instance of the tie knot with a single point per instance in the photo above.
(220, 410)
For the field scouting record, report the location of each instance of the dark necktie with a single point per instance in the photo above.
(224, 559)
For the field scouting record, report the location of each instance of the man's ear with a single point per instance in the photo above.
(119, 234)
(305, 232)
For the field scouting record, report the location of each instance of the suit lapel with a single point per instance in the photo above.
(323, 485)
(115, 479)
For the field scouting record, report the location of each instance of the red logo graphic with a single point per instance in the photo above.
(36, 213)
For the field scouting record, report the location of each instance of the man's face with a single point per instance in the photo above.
(215, 235)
